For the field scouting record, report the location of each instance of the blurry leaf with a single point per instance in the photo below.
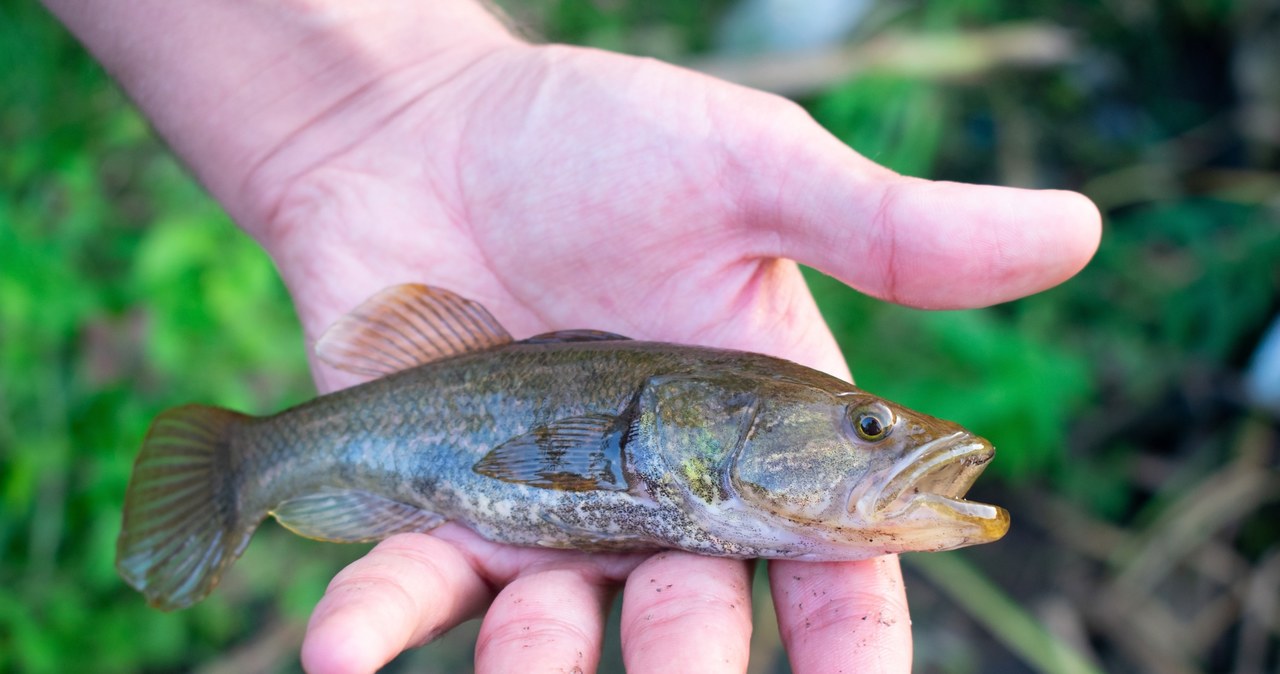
(892, 121)
(172, 249)
(1100, 483)
(1011, 624)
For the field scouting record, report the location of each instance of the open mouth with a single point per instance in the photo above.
(936, 476)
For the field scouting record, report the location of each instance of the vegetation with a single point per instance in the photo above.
(1145, 491)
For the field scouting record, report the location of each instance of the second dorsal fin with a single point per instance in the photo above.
(559, 336)
(405, 326)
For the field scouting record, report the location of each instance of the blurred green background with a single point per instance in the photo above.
(1145, 489)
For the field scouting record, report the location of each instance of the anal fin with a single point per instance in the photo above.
(352, 516)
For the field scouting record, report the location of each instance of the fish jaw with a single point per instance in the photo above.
(918, 501)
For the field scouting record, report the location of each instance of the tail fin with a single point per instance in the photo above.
(182, 526)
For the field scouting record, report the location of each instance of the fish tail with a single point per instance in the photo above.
(182, 523)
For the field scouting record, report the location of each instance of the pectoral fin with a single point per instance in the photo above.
(572, 454)
(405, 326)
(352, 516)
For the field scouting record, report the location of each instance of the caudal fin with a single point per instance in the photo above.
(181, 526)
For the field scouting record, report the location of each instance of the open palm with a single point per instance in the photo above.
(568, 188)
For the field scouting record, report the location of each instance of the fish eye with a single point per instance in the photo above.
(872, 422)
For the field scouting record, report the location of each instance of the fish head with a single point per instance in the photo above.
(856, 470)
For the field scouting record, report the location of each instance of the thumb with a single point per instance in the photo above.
(938, 245)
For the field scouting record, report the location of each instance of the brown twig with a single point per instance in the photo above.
(933, 56)
(267, 652)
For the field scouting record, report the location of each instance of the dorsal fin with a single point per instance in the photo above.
(408, 325)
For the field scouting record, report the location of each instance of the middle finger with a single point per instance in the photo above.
(686, 613)
(549, 620)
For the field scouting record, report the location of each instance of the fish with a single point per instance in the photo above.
(575, 439)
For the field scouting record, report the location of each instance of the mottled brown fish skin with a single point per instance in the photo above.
(414, 436)
(575, 439)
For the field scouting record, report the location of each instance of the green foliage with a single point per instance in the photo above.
(657, 27)
(985, 370)
(124, 290)
(894, 121)
(1195, 277)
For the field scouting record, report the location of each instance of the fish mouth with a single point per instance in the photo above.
(926, 487)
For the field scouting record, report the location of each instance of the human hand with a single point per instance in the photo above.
(567, 188)
(570, 188)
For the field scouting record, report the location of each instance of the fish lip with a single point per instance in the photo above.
(937, 473)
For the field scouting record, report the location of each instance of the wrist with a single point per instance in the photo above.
(232, 85)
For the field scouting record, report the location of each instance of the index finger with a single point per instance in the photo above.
(687, 613)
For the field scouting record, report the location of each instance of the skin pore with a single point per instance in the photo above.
(375, 143)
